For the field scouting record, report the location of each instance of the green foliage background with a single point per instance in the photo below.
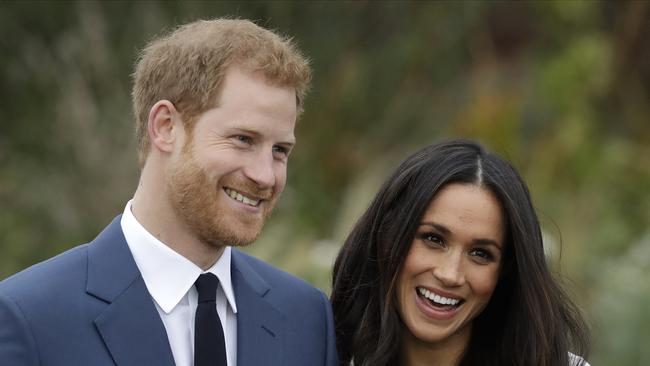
(561, 88)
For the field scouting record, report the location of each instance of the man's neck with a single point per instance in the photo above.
(157, 216)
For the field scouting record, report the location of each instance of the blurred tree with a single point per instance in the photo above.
(562, 88)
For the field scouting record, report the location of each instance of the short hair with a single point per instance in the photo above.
(187, 67)
(528, 321)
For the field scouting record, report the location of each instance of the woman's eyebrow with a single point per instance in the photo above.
(487, 242)
(445, 231)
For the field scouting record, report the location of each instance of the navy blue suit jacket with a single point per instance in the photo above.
(90, 306)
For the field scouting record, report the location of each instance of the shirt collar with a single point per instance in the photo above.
(167, 274)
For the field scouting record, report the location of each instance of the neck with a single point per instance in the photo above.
(447, 352)
(155, 213)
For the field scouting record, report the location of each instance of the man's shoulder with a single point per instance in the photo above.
(66, 273)
(302, 311)
(276, 278)
(40, 279)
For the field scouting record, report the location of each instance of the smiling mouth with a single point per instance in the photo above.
(240, 197)
(438, 301)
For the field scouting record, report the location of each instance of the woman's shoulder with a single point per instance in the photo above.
(575, 360)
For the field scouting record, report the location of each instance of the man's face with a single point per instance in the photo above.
(227, 179)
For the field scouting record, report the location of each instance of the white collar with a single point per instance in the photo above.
(167, 274)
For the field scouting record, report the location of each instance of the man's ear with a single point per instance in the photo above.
(164, 126)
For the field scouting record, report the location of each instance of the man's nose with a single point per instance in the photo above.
(260, 170)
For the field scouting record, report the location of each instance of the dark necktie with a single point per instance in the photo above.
(209, 343)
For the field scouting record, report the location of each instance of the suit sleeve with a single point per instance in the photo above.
(17, 344)
(331, 357)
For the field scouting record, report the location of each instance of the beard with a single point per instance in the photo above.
(199, 202)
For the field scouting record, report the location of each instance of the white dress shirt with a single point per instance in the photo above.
(170, 278)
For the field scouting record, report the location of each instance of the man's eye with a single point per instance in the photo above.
(244, 139)
(281, 151)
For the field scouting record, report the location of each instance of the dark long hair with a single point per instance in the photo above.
(529, 319)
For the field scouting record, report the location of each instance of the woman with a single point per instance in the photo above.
(447, 267)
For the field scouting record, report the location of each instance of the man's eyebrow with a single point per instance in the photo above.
(245, 130)
(289, 142)
(445, 231)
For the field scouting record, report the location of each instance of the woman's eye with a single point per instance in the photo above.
(481, 254)
(433, 238)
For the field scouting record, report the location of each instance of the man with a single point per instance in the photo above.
(216, 103)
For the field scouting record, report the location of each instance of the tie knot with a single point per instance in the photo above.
(206, 286)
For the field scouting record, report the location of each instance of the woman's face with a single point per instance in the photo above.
(452, 267)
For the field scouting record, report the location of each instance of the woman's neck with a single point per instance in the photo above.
(448, 352)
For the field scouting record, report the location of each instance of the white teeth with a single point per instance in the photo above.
(437, 298)
(241, 198)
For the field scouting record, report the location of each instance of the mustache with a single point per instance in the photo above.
(249, 189)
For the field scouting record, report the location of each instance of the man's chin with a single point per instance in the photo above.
(242, 243)
(236, 241)
(239, 237)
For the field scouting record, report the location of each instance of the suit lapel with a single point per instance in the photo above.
(130, 325)
(259, 324)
